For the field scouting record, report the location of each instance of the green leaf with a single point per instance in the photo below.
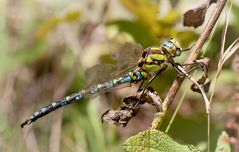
(186, 37)
(138, 31)
(171, 17)
(155, 141)
(146, 11)
(222, 143)
(146, 14)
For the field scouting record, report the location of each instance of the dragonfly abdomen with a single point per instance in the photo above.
(128, 78)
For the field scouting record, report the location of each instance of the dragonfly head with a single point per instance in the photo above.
(172, 47)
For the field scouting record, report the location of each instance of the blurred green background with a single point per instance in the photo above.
(47, 46)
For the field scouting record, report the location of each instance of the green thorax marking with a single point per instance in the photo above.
(155, 58)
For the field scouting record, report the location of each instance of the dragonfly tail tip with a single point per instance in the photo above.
(27, 122)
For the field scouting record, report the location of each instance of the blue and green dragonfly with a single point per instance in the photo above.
(151, 62)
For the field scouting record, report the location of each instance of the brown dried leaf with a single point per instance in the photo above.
(121, 116)
(205, 87)
(195, 17)
(154, 99)
(204, 63)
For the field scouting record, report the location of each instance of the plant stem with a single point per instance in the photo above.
(208, 132)
(192, 56)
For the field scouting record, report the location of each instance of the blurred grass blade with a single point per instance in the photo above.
(224, 32)
(230, 51)
(207, 103)
(222, 54)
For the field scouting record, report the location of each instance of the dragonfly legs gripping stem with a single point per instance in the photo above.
(197, 66)
(140, 86)
(188, 48)
(153, 78)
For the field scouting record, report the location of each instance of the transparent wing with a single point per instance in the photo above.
(128, 57)
(100, 73)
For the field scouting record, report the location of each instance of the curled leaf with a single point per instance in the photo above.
(121, 116)
(195, 17)
(203, 63)
(154, 99)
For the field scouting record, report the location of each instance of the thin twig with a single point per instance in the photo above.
(194, 53)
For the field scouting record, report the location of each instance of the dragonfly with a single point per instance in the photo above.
(150, 63)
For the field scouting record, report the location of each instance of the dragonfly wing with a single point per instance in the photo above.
(128, 57)
(100, 73)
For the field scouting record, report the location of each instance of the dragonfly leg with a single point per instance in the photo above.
(194, 68)
(187, 64)
(198, 65)
(189, 71)
(202, 64)
(178, 70)
(188, 48)
(141, 84)
(153, 78)
(150, 81)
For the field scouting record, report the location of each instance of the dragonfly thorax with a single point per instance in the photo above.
(154, 58)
